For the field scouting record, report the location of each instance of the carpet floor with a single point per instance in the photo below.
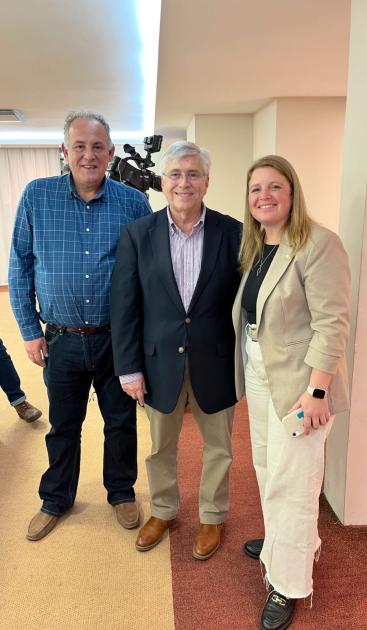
(227, 591)
(87, 575)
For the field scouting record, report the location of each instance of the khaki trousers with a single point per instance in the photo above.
(289, 473)
(161, 464)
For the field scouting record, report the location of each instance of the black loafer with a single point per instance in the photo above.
(252, 548)
(278, 612)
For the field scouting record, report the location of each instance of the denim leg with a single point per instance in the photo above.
(9, 379)
(119, 414)
(68, 384)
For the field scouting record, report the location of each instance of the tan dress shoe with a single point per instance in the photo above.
(207, 541)
(27, 412)
(128, 514)
(41, 525)
(151, 534)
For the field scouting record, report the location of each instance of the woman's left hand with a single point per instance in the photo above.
(316, 411)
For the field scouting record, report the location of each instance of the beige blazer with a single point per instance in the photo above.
(302, 314)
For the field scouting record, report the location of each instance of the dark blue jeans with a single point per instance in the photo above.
(9, 379)
(76, 362)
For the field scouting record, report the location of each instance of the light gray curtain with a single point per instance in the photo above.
(17, 168)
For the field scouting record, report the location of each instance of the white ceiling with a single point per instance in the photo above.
(215, 56)
(58, 56)
(231, 56)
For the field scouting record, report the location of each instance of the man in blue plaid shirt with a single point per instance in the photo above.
(62, 255)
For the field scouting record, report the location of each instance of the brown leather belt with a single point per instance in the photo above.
(83, 330)
(87, 330)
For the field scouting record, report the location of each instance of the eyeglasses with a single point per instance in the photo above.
(192, 176)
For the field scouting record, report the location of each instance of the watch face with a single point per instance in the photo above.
(318, 393)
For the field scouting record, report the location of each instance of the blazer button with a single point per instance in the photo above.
(181, 349)
(188, 320)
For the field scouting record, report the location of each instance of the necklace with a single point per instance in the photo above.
(263, 260)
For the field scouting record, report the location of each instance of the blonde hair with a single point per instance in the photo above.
(298, 224)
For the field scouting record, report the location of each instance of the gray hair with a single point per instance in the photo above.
(85, 114)
(182, 149)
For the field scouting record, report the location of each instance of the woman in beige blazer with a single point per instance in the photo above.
(291, 317)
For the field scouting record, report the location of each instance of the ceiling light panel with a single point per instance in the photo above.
(11, 115)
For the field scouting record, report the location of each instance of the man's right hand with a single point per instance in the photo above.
(37, 350)
(136, 389)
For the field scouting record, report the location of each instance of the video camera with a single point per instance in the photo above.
(141, 178)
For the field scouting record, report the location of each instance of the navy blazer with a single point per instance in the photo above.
(150, 328)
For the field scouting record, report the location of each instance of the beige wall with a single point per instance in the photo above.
(356, 472)
(310, 133)
(229, 139)
(346, 472)
(191, 131)
(265, 130)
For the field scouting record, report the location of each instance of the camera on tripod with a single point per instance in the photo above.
(140, 178)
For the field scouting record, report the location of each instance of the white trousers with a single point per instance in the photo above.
(289, 473)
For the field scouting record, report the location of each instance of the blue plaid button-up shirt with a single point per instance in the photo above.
(63, 252)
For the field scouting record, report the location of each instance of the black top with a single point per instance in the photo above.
(254, 281)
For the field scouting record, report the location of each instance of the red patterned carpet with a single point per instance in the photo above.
(226, 592)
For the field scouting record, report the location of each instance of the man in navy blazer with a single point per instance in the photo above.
(173, 288)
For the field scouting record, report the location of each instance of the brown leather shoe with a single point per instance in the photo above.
(207, 541)
(41, 525)
(128, 514)
(151, 534)
(27, 412)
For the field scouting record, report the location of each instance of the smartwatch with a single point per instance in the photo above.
(316, 392)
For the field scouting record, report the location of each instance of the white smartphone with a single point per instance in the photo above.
(294, 423)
